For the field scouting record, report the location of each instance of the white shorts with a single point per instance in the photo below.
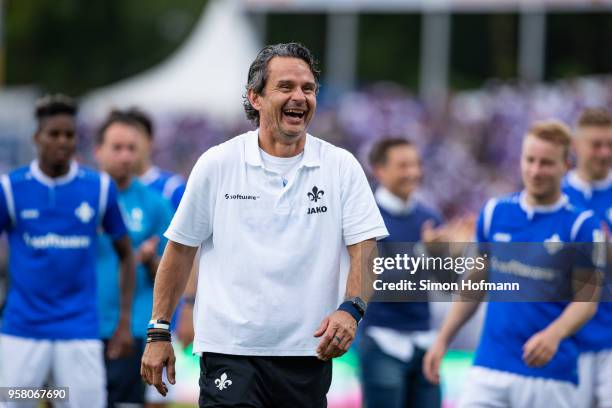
(487, 388)
(76, 364)
(595, 374)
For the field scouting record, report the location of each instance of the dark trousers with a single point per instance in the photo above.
(123, 381)
(391, 383)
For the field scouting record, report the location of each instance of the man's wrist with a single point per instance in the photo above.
(354, 306)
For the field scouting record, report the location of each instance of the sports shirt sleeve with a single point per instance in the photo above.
(113, 223)
(361, 219)
(192, 223)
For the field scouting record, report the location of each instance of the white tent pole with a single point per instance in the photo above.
(341, 51)
(435, 56)
(532, 44)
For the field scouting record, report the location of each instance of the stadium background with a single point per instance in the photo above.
(461, 78)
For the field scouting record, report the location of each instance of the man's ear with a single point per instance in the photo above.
(254, 99)
(98, 154)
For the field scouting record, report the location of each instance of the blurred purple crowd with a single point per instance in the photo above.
(470, 148)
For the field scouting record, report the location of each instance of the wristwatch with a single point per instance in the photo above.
(358, 303)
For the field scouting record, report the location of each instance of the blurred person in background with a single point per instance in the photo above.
(285, 222)
(52, 210)
(589, 185)
(527, 356)
(396, 335)
(147, 215)
(170, 186)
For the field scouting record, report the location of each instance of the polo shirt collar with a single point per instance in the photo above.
(311, 157)
(530, 210)
(586, 188)
(392, 203)
(150, 175)
(38, 174)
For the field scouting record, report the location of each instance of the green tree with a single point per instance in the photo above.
(73, 46)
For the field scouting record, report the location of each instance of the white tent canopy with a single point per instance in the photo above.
(205, 76)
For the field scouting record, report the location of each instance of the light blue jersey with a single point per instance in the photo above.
(171, 186)
(147, 214)
(52, 227)
(508, 325)
(596, 335)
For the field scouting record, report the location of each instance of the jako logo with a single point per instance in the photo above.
(317, 210)
(240, 197)
(316, 194)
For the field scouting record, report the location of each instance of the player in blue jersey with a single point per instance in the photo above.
(590, 185)
(52, 211)
(527, 356)
(171, 186)
(147, 216)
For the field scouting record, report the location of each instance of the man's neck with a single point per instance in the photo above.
(542, 201)
(144, 168)
(123, 183)
(584, 175)
(54, 171)
(275, 146)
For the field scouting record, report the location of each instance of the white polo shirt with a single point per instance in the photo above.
(273, 259)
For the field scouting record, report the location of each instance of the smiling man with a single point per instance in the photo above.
(284, 222)
(589, 185)
(527, 356)
(147, 215)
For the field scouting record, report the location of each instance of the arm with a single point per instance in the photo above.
(542, 346)
(185, 330)
(121, 342)
(170, 282)
(460, 312)
(147, 255)
(337, 331)
(171, 279)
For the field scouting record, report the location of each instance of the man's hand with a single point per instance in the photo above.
(432, 360)
(337, 332)
(541, 348)
(120, 345)
(158, 355)
(148, 250)
(185, 325)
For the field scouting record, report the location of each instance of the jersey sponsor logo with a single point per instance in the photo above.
(135, 219)
(241, 197)
(316, 194)
(30, 214)
(84, 212)
(501, 237)
(553, 244)
(52, 240)
(223, 382)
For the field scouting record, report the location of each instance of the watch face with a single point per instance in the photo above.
(359, 304)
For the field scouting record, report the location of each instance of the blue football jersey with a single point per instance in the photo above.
(52, 227)
(508, 325)
(171, 186)
(147, 214)
(596, 335)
